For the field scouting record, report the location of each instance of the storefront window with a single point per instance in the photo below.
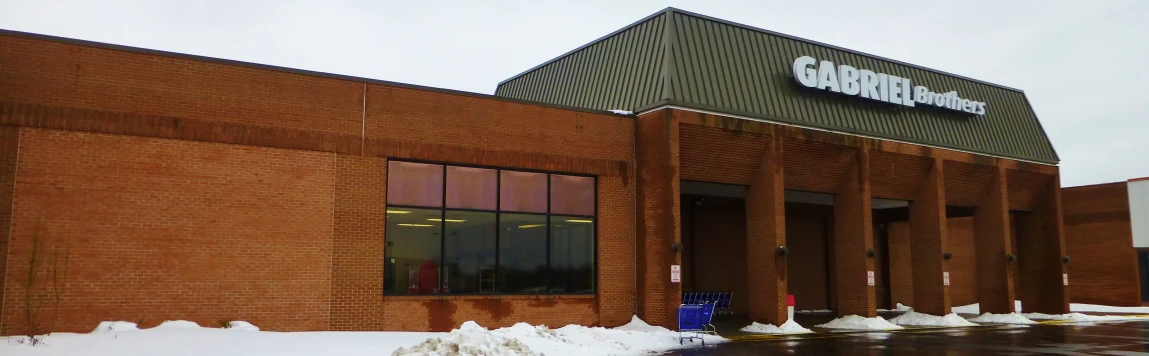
(464, 230)
(412, 251)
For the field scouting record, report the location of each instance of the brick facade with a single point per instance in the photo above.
(1099, 243)
(201, 189)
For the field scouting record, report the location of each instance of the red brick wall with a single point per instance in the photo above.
(901, 267)
(1103, 263)
(9, 147)
(75, 87)
(166, 229)
(658, 199)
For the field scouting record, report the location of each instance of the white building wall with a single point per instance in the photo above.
(1139, 212)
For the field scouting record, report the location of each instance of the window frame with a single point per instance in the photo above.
(498, 234)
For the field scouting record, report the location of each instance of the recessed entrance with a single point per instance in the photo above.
(714, 241)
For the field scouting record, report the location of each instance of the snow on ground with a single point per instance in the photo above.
(789, 327)
(900, 307)
(1081, 317)
(1073, 307)
(855, 322)
(912, 318)
(180, 338)
(1011, 318)
(815, 311)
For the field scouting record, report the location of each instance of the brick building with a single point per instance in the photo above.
(203, 189)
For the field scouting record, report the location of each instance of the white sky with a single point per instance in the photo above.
(1082, 63)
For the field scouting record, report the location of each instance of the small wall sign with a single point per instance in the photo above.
(675, 273)
(870, 278)
(946, 278)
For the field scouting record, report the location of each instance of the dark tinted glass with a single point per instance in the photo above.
(523, 191)
(414, 184)
(572, 254)
(522, 253)
(471, 188)
(572, 195)
(412, 251)
(469, 246)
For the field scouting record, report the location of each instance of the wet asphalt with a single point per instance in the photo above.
(1109, 338)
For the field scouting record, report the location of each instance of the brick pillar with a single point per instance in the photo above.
(853, 236)
(658, 217)
(357, 243)
(991, 245)
(1041, 246)
(9, 148)
(765, 232)
(928, 243)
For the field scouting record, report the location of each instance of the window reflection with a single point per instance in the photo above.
(412, 251)
(469, 245)
(523, 191)
(572, 195)
(414, 184)
(572, 254)
(522, 253)
(471, 188)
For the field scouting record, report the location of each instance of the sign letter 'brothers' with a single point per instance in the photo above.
(892, 89)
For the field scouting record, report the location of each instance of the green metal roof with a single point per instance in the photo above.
(683, 59)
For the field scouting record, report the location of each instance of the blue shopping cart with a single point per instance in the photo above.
(694, 321)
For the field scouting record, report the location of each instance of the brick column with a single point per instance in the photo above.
(658, 217)
(853, 236)
(765, 232)
(928, 243)
(991, 245)
(1041, 246)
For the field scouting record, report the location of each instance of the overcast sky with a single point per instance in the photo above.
(1084, 64)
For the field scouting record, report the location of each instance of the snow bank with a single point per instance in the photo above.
(1081, 317)
(919, 319)
(1073, 308)
(110, 326)
(1011, 318)
(468, 339)
(176, 325)
(789, 327)
(900, 307)
(855, 322)
(241, 326)
(183, 338)
(815, 311)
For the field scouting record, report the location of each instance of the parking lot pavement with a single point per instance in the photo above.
(1110, 338)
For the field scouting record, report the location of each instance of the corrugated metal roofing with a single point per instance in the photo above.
(685, 59)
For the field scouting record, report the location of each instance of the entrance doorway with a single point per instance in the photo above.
(810, 267)
(713, 222)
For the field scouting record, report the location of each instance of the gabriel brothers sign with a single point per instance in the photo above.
(848, 80)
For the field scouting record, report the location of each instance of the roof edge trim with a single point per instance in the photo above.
(156, 52)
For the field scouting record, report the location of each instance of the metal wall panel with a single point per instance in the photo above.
(691, 60)
(1139, 212)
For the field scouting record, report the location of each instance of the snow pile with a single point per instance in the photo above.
(789, 327)
(637, 324)
(1011, 318)
(621, 112)
(913, 318)
(469, 339)
(901, 307)
(111, 326)
(176, 325)
(855, 322)
(815, 311)
(1081, 317)
(975, 308)
(241, 326)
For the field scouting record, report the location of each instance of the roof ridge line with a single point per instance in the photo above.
(666, 11)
